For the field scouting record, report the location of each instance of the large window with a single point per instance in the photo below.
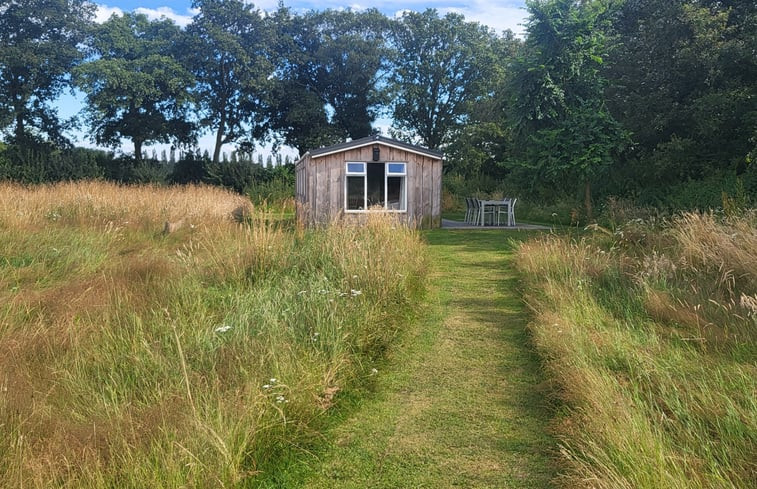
(375, 185)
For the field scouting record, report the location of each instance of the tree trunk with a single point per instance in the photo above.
(587, 200)
(138, 150)
(219, 137)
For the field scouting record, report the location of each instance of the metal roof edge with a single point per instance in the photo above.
(369, 140)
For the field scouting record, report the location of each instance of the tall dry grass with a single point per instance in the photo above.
(100, 203)
(650, 333)
(199, 358)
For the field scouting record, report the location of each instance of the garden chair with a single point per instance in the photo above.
(476, 211)
(487, 210)
(509, 209)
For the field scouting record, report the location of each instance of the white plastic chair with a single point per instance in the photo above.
(489, 210)
(468, 210)
(509, 209)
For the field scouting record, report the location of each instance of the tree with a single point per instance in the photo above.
(40, 44)
(353, 56)
(440, 67)
(682, 80)
(326, 78)
(135, 87)
(228, 53)
(479, 147)
(562, 127)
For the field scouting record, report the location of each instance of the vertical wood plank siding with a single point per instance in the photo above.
(323, 180)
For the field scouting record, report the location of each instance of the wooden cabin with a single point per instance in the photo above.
(371, 174)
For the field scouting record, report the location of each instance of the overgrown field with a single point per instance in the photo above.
(649, 333)
(134, 357)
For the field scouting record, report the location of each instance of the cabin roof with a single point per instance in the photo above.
(367, 141)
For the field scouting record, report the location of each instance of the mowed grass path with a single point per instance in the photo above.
(461, 401)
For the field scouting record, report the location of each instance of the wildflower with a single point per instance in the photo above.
(273, 380)
(280, 399)
(267, 386)
(316, 336)
(223, 328)
(374, 371)
(355, 293)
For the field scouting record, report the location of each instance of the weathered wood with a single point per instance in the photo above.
(336, 189)
(436, 185)
(324, 176)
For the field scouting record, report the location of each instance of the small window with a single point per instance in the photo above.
(395, 169)
(355, 168)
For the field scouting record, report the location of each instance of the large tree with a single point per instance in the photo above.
(40, 42)
(563, 129)
(136, 88)
(228, 51)
(326, 78)
(441, 66)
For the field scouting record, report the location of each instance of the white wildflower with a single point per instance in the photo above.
(355, 293)
(223, 328)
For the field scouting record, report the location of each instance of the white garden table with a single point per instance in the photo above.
(495, 205)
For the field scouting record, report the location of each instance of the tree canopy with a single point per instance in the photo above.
(136, 87)
(40, 45)
(600, 96)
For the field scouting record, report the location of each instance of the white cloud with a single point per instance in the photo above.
(104, 13)
(494, 16)
(486, 13)
(165, 12)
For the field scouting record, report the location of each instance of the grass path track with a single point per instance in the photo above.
(460, 403)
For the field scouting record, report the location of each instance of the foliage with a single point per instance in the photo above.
(135, 87)
(639, 99)
(44, 162)
(227, 48)
(41, 42)
(564, 132)
(441, 66)
(328, 75)
(682, 81)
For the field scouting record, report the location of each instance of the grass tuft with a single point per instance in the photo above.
(198, 357)
(650, 335)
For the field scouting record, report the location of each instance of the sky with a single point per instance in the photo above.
(499, 15)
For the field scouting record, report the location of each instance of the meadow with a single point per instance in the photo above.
(648, 334)
(149, 338)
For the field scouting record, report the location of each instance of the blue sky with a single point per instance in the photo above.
(499, 15)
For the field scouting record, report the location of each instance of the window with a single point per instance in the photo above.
(374, 185)
(355, 187)
(395, 186)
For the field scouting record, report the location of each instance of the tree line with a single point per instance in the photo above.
(601, 96)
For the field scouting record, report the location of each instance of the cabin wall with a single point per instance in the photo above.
(323, 197)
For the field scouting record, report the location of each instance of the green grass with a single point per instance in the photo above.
(200, 358)
(649, 336)
(460, 401)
